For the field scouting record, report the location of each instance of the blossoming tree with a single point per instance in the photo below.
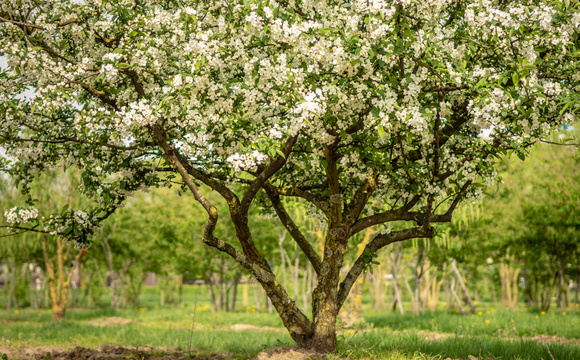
(369, 110)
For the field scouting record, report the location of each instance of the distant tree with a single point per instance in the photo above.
(54, 254)
(529, 228)
(370, 111)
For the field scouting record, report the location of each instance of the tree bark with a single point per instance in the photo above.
(577, 291)
(235, 290)
(463, 287)
(395, 268)
(457, 300)
(59, 282)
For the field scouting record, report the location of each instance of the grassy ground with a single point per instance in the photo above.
(492, 333)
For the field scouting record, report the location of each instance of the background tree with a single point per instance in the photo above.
(528, 228)
(53, 254)
(371, 112)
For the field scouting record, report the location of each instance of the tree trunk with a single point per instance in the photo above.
(463, 287)
(432, 291)
(415, 309)
(395, 265)
(258, 297)
(245, 292)
(417, 276)
(351, 313)
(281, 237)
(235, 290)
(577, 290)
(452, 291)
(325, 296)
(209, 282)
(59, 282)
(296, 273)
(509, 282)
(562, 293)
(304, 282)
(547, 292)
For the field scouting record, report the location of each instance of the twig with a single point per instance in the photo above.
(549, 353)
(192, 322)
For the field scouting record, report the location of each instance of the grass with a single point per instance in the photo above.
(487, 321)
(496, 334)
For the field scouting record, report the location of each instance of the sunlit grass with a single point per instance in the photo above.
(491, 332)
(486, 321)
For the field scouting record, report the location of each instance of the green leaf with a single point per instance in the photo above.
(516, 78)
(381, 131)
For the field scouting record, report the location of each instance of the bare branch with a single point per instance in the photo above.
(318, 201)
(65, 139)
(295, 232)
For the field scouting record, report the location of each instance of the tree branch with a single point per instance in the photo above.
(295, 231)
(318, 201)
(360, 199)
(65, 139)
(376, 244)
(267, 174)
(387, 216)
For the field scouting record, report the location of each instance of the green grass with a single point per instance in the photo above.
(243, 344)
(375, 343)
(491, 322)
(496, 334)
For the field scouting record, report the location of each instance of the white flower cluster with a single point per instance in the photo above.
(20, 215)
(137, 113)
(246, 161)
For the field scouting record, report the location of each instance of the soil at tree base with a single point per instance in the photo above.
(288, 353)
(108, 352)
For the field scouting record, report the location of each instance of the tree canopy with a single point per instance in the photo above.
(370, 111)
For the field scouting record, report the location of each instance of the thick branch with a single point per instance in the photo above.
(295, 232)
(33, 26)
(267, 174)
(294, 320)
(101, 96)
(377, 243)
(209, 208)
(402, 214)
(387, 216)
(360, 199)
(173, 155)
(333, 187)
